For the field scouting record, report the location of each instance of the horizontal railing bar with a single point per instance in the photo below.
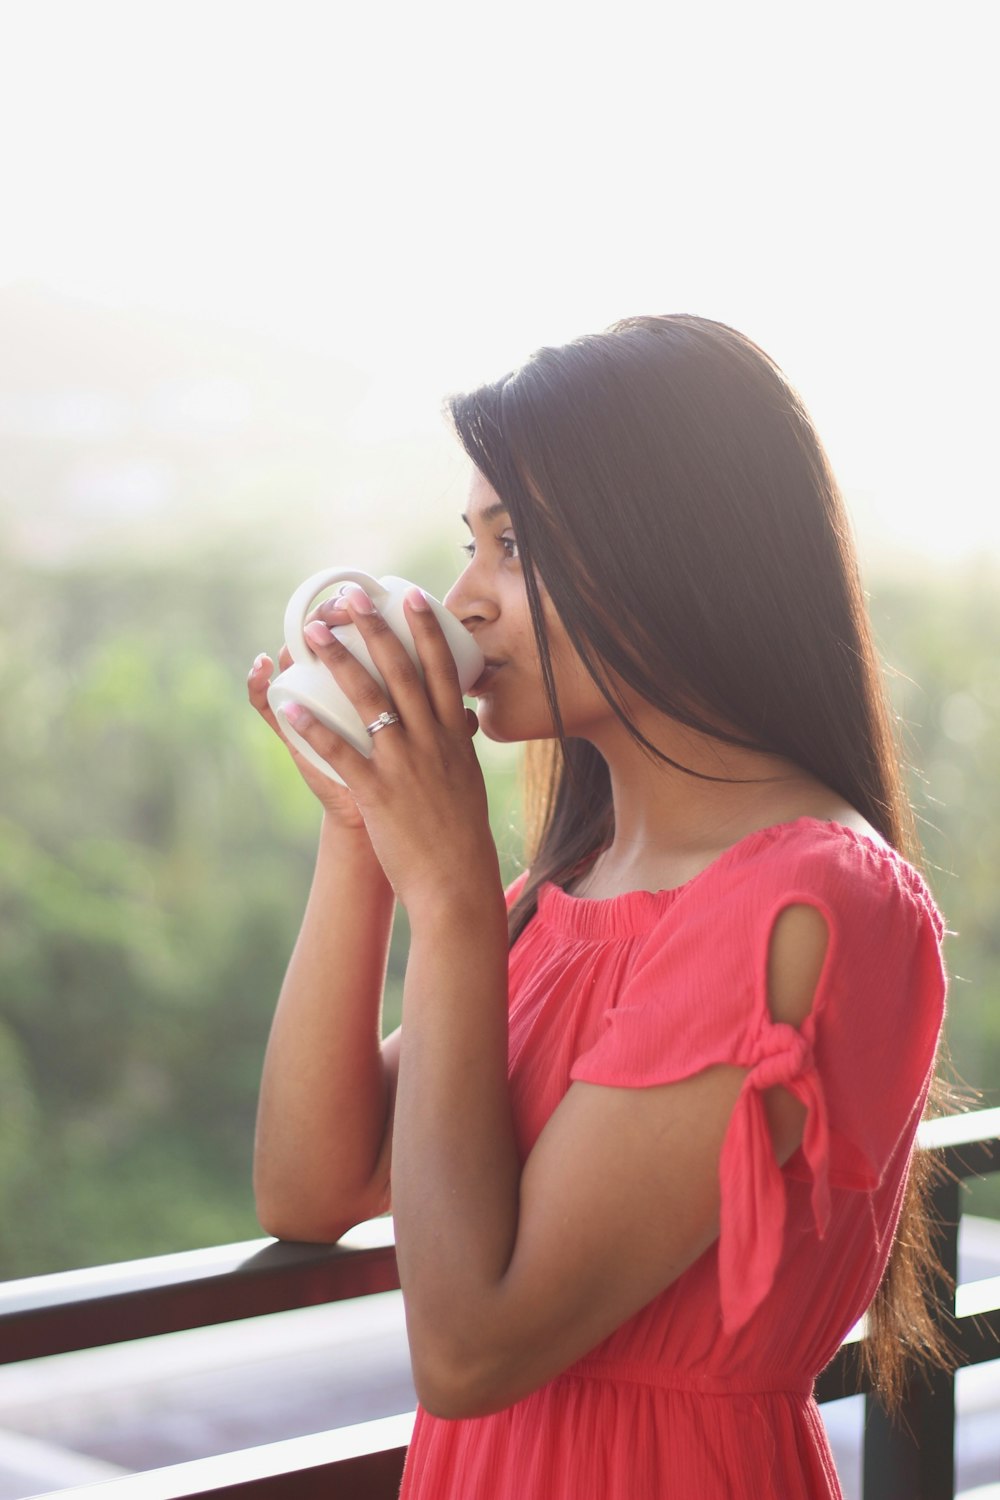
(164, 1294)
(959, 1130)
(170, 1293)
(243, 1259)
(966, 1145)
(366, 1459)
(359, 1461)
(117, 1303)
(974, 1337)
(974, 1334)
(973, 1298)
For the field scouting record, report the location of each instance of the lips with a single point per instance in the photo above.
(485, 677)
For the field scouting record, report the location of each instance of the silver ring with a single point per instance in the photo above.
(382, 722)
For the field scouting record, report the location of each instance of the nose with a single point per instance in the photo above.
(470, 600)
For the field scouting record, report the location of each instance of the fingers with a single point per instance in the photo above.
(366, 693)
(422, 705)
(259, 675)
(331, 611)
(400, 676)
(353, 768)
(440, 672)
(438, 697)
(258, 681)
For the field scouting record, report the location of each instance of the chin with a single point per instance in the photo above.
(513, 713)
(494, 728)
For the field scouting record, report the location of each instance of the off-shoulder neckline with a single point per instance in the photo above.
(633, 912)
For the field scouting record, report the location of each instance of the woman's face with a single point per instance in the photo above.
(491, 601)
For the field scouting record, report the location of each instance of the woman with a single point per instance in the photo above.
(648, 1127)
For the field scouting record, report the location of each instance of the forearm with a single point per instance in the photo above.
(455, 1166)
(324, 1097)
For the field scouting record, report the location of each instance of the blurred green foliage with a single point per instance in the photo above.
(940, 636)
(156, 847)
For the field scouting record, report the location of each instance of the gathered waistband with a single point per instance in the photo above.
(687, 1380)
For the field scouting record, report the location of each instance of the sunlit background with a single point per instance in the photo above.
(423, 193)
(245, 249)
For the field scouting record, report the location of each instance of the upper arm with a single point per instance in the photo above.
(621, 1193)
(619, 1196)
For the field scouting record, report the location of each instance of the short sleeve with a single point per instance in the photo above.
(515, 888)
(860, 1063)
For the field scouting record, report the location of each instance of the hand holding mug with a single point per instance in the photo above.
(308, 681)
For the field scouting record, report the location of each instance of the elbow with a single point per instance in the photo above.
(306, 1221)
(297, 1222)
(455, 1399)
(455, 1384)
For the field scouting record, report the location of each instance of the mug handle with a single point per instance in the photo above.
(298, 604)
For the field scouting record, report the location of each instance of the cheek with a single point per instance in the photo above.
(573, 681)
(580, 699)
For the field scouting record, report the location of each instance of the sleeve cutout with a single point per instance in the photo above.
(797, 948)
(795, 959)
(858, 1057)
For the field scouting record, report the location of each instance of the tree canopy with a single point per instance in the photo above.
(155, 850)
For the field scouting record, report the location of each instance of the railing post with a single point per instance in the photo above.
(912, 1456)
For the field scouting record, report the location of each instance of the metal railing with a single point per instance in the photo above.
(911, 1458)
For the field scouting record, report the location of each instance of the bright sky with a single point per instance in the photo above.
(432, 190)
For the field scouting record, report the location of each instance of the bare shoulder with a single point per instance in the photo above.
(846, 816)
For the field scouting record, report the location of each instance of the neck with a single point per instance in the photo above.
(669, 825)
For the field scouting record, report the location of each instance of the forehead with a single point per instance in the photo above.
(483, 504)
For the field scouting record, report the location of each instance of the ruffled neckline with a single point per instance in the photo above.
(635, 912)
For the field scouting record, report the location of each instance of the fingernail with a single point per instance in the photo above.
(360, 602)
(259, 660)
(298, 716)
(333, 607)
(317, 633)
(416, 598)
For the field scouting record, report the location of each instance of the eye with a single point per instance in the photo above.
(507, 542)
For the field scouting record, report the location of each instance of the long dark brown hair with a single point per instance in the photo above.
(667, 484)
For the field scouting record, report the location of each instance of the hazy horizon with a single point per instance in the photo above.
(117, 392)
(427, 194)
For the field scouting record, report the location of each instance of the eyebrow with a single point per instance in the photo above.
(490, 513)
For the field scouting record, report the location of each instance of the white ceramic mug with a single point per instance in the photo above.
(309, 682)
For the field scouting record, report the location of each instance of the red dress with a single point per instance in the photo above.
(706, 1394)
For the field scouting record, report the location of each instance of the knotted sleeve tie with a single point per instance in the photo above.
(753, 1190)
